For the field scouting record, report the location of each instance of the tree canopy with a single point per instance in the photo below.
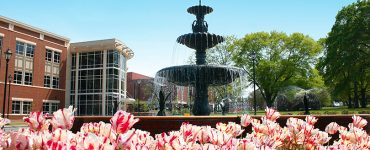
(345, 63)
(281, 60)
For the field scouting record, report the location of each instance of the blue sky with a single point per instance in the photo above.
(150, 27)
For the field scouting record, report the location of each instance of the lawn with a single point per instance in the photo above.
(323, 111)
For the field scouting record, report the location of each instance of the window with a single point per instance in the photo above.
(24, 49)
(16, 107)
(19, 49)
(18, 77)
(27, 78)
(30, 49)
(56, 57)
(50, 106)
(21, 106)
(24, 63)
(46, 81)
(51, 76)
(55, 82)
(48, 55)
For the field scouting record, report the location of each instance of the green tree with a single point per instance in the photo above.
(345, 64)
(281, 60)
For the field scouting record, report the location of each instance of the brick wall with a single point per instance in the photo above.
(36, 92)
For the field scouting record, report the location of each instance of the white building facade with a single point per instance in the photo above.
(96, 76)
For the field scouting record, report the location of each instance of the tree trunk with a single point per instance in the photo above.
(349, 100)
(269, 101)
(363, 98)
(355, 94)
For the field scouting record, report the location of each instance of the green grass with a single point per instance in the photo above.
(323, 111)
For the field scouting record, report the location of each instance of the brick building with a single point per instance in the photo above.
(139, 86)
(37, 67)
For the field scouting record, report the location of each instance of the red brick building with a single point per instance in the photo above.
(37, 68)
(139, 86)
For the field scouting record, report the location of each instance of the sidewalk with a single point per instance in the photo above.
(15, 125)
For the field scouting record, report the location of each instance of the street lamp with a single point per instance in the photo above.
(10, 81)
(138, 93)
(8, 54)
(305, 103)
(253, 55)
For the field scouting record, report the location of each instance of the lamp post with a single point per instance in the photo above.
(10, 81)
(138, 93)
(305, 102)
(253, 55)
(8, 54)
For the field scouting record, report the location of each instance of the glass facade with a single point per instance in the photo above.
(96, 81)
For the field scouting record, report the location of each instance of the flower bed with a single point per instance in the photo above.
(266, 133)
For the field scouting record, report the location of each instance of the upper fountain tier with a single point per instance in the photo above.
(200, 39)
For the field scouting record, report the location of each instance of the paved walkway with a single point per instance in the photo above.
(15, 125)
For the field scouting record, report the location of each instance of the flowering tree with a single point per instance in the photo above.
(119, 134)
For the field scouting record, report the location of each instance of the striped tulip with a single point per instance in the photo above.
(122, 121)
(37, 121)
(332, 128)
(63, 118)
(245, 120)
(272, 114)
(358, 121)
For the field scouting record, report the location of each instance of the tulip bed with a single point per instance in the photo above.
(119, 134)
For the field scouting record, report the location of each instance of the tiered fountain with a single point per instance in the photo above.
(201, 75)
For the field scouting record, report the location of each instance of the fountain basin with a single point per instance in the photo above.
(159, 124)
(200, 40)
(209, 74)
(201, 9)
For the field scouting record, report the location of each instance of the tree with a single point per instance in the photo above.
(282, 60)
(345, 64)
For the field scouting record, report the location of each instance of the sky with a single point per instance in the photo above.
(150, 27)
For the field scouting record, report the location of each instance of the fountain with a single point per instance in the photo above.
(201, 75)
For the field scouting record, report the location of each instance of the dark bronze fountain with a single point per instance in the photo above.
(201, 75)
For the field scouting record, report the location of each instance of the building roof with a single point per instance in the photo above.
(35, 29)
(107, 44)
(137, 76)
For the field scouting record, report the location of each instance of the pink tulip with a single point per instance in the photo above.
(58, 145)
(332, 128)
(3, 122)
(189, 132)
(37, 121)
(245, 144)
(172, 141)
(358, 121)
(245, 120)
(231, 128)
(22, 142)
(63, 118)
(272, 114)
(39, 139)
(127, 139)
(311, 120)
(122, 122)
